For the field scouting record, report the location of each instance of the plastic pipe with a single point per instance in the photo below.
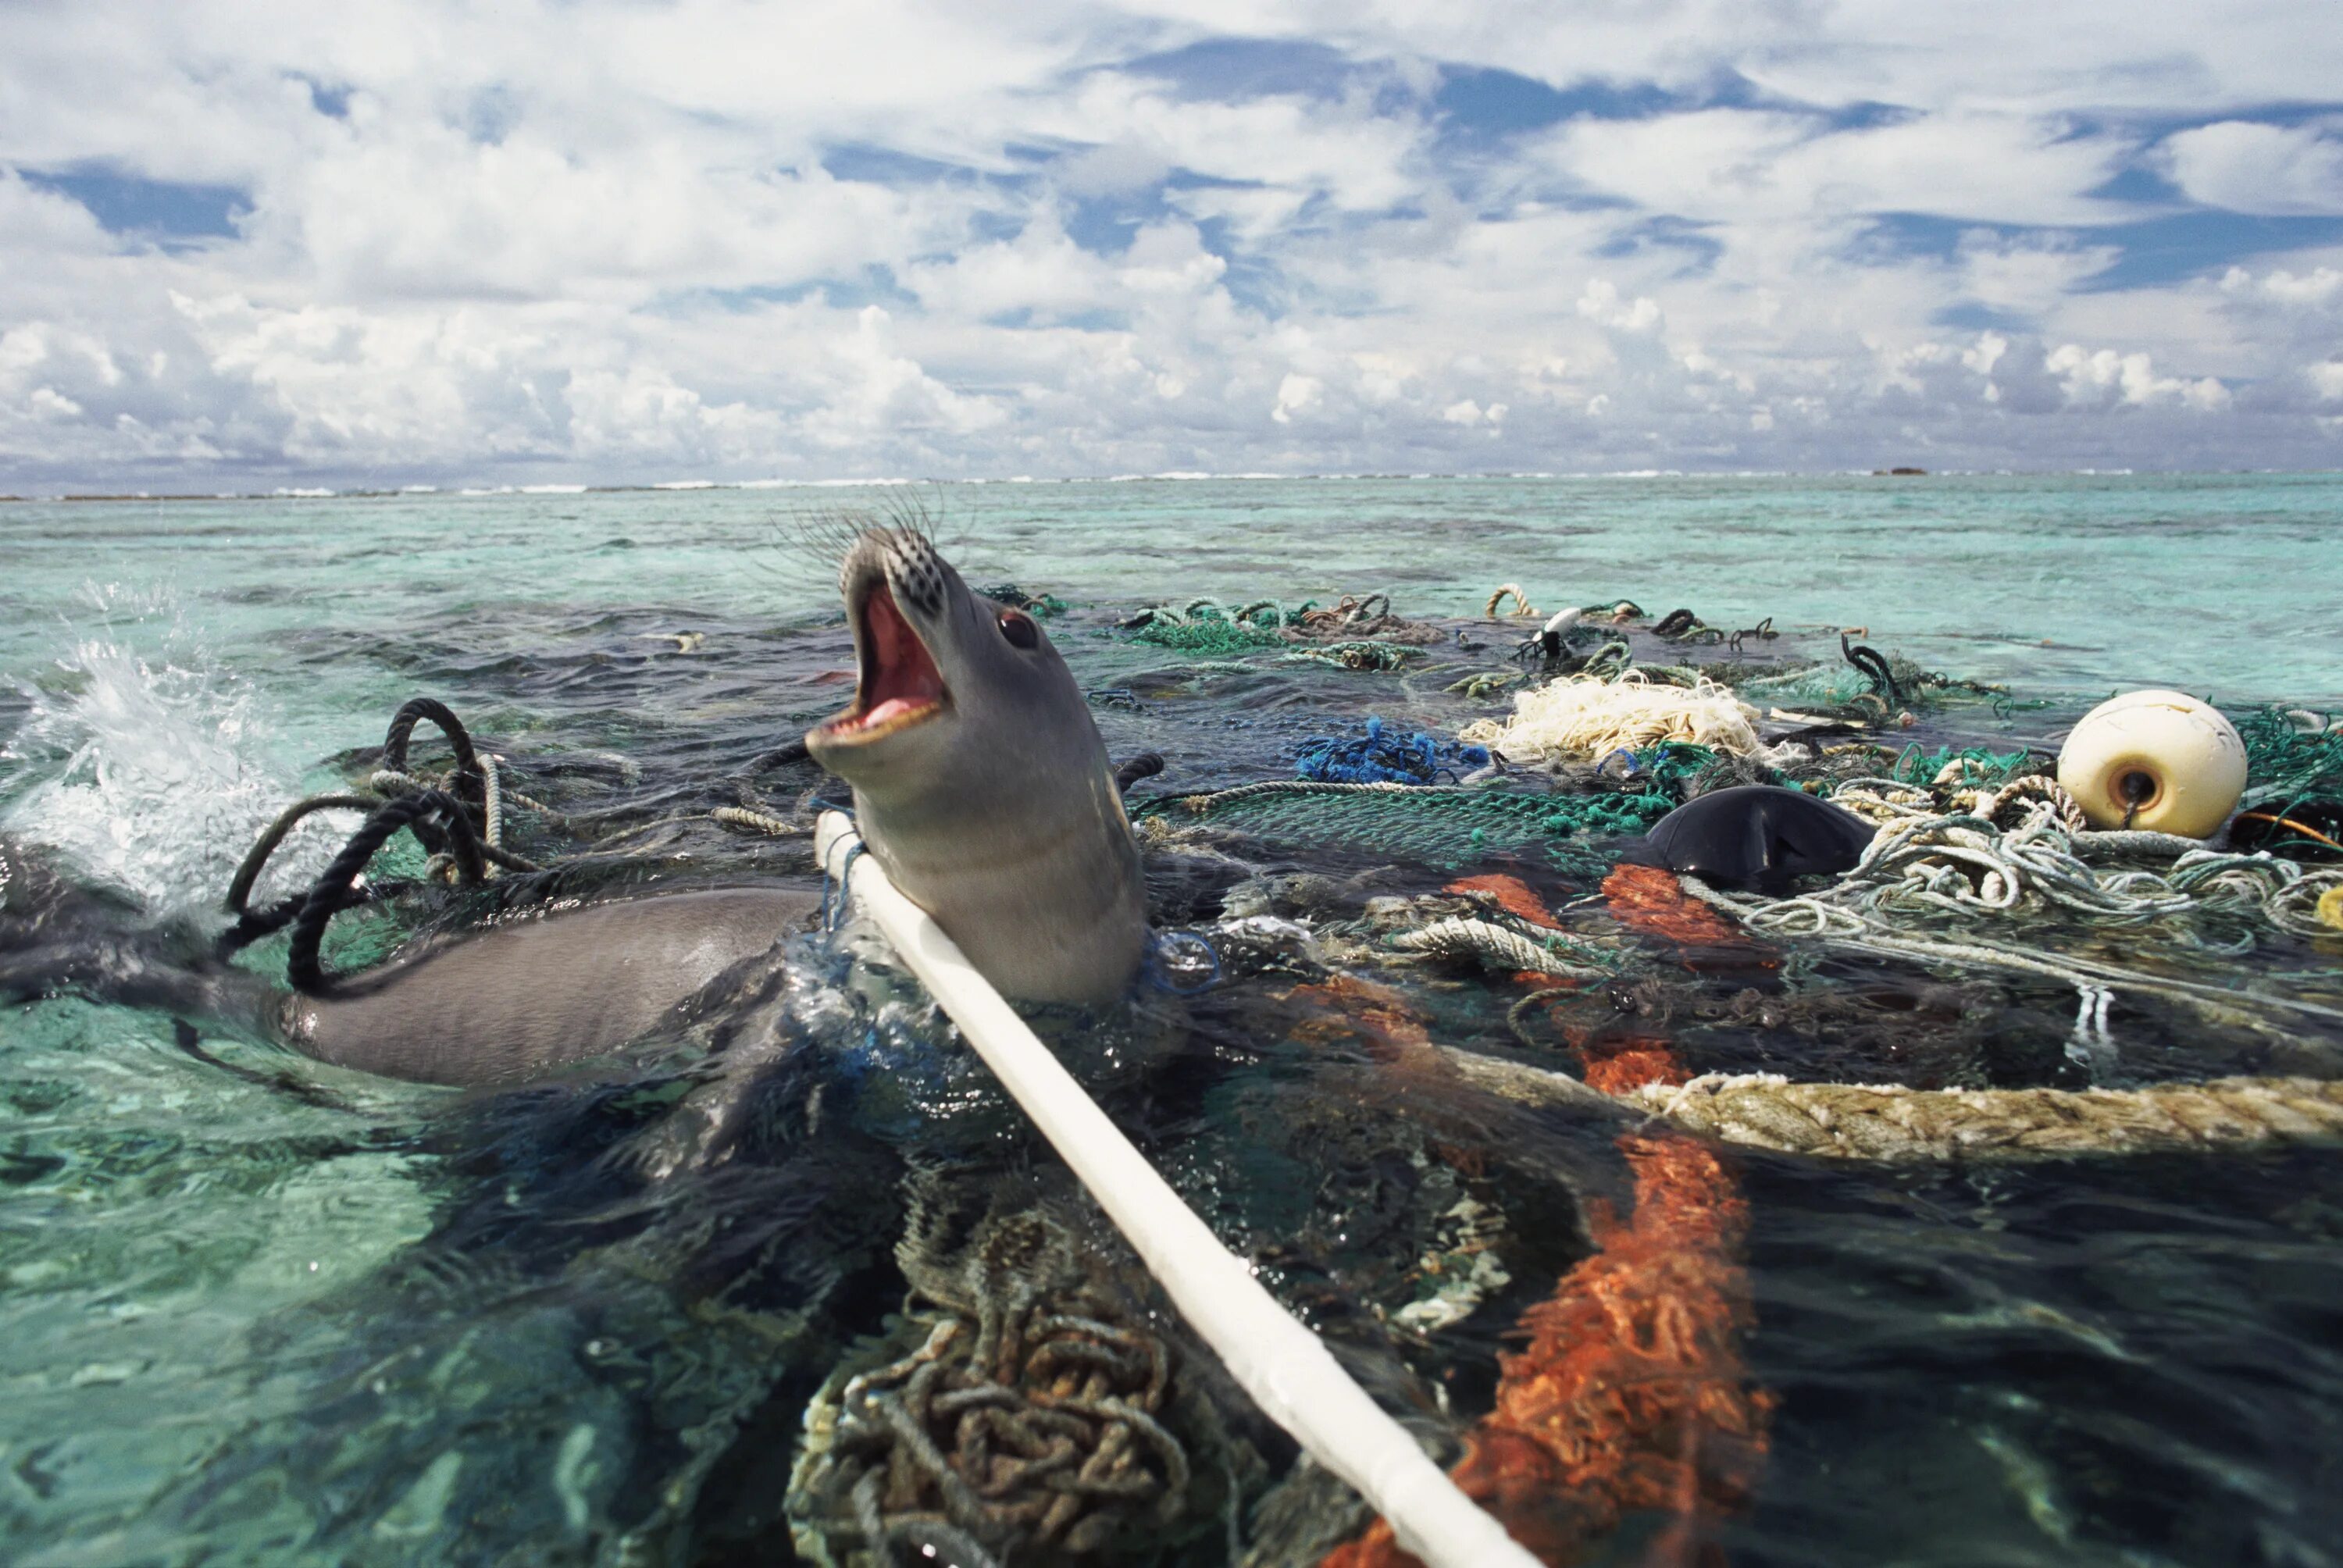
(1288, 1372)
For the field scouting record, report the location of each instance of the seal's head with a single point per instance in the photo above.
(980, 780)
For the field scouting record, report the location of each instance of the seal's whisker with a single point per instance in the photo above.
(825, 534)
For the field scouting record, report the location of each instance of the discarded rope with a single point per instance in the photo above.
(1967, 865)
(1501, 947)
(1583, 716)
(1365, 656)
(1889, 1122)
(1382, 756)
(1286, 1369)
(1029, 1418)
(331, 893)
(1874, 667)
(1810, 917)
(1513, 590)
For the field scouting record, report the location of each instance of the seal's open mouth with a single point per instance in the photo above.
(900, 683)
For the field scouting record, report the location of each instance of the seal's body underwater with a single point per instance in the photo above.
(979, 783)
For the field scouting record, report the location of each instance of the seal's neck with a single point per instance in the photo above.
(1043, 893)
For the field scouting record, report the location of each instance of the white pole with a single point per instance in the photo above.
(1288, 1372)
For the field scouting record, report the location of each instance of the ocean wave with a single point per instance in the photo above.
(153, 769)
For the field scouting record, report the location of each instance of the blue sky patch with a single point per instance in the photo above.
(1230, 70)
(2197, 244)
(162, 210)
(1692, 241)
(1971, 317)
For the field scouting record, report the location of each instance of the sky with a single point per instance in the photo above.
(379, 242)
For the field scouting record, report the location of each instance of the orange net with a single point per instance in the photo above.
(1653, 903)
(1512, 894)
(1630, 1396)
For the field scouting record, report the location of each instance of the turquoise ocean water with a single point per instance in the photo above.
(240, 1325)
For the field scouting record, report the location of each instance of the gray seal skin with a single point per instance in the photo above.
(526, 997)
(1756, 836)
(519, 1000)
(981, 783)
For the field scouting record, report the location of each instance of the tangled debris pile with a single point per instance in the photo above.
(1024, 1410)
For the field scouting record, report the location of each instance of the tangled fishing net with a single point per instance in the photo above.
(1382, 756)
(1966, 864)
(2293, 757)
(1577, 718)
(1445, 827)
(1017, 1414)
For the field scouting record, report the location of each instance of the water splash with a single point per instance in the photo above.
(149, 762)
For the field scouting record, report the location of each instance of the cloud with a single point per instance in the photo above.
(2276, 171)
(409, 240)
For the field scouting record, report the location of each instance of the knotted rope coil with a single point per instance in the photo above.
(1026, 1421)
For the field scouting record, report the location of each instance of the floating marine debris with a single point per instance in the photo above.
(1022, 1408)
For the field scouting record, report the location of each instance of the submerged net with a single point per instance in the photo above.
(1026, 1406)
(1443, 828)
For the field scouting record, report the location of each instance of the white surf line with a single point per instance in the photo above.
(1288, 1372)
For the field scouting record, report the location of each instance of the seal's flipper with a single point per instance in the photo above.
(1756, 836)
(58, 938)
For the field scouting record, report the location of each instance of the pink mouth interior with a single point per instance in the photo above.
(897, 678)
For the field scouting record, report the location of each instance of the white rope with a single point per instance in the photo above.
(1286, 1369)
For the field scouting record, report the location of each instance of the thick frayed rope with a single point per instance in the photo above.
(1888, 1122)
(1869, 1122)
(1501, 947)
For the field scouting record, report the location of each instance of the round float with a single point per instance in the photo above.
(2160, 760)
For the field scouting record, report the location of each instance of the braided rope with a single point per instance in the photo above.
(1460, 936)
(1965, 864)
(1870, 1122)
(1889, 1122)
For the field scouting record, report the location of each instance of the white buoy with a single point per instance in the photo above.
(2160, 760)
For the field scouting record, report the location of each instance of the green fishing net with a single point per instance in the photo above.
(2289, 763)
(1445, 829)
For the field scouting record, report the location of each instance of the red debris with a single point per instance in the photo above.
(1631, 1396)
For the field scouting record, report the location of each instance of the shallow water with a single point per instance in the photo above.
(256, 1311)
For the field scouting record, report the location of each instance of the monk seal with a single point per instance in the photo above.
(979, 783)
(1756, 836)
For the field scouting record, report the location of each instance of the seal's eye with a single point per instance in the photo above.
(1020, 629)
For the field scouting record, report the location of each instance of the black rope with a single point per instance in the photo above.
(1146, 765)
(1675, 624)
(332, 892)
(256, 860)
(416, 710)
(252, 925)
(1873, 666)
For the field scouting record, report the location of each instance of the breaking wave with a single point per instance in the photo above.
(150, 771)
